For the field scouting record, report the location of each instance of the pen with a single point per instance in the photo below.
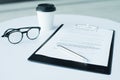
(73, 52)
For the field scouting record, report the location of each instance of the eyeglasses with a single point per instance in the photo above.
(16, 35)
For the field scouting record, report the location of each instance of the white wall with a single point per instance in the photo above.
(109, 9)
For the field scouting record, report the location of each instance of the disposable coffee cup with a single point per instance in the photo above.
(45, 14)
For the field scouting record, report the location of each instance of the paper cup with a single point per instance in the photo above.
(45, 14)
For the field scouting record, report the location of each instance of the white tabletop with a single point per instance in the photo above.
(13, 58)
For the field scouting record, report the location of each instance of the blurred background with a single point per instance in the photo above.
(110, 9)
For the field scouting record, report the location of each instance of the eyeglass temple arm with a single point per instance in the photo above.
(28, 27)
(6, 32)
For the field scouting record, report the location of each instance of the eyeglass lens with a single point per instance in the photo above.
(33, 33)
(15, 37)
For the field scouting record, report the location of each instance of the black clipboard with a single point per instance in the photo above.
(73, 64)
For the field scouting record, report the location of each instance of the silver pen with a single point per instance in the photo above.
(62, 46)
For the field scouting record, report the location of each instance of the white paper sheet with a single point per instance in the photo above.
(87, 44)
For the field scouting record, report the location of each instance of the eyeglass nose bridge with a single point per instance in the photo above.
(23, 32)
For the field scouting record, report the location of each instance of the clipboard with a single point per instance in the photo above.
(104, 68)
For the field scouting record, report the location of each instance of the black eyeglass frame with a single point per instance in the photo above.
(12, 30)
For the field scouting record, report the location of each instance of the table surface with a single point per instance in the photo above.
(13, 58)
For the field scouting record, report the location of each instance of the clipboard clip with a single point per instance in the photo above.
(87, 27)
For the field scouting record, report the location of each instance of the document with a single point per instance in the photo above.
(80, 43)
